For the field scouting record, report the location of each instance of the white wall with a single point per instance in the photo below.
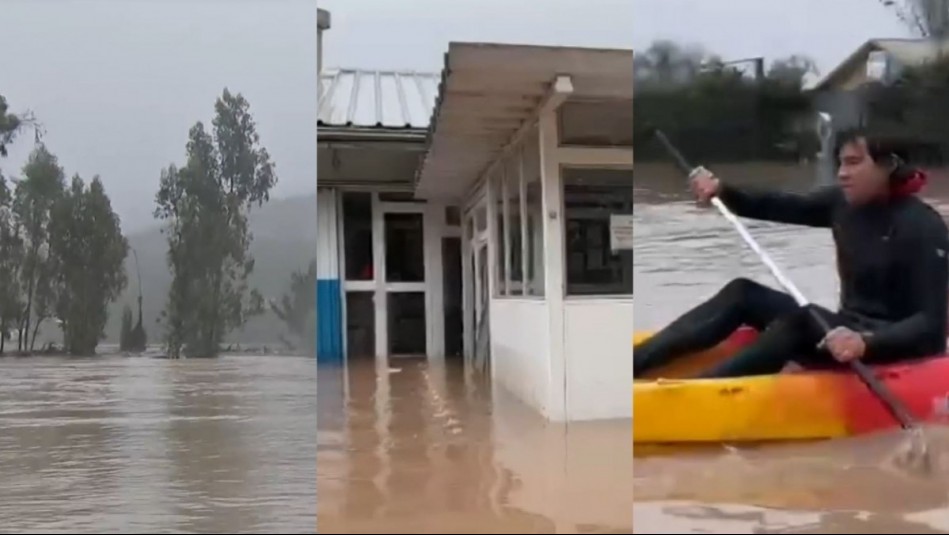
(327, 233)
(599, 357)
(520, 359)
(570, 359)
(597, 346)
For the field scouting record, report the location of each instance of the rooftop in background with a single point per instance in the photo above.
(381, 100)
(908, 52)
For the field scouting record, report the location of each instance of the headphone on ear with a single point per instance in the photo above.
(899, 170)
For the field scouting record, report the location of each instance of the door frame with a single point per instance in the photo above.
(433, 229)
(474, 297)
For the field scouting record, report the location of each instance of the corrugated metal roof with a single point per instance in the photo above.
(377, 99)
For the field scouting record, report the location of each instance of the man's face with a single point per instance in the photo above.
(861, 178)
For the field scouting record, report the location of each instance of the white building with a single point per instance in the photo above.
(467, 214)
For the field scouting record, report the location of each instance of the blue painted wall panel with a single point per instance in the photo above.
(329, 317)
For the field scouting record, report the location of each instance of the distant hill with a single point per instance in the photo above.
(284, 240)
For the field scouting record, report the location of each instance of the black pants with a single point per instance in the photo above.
(788, 332)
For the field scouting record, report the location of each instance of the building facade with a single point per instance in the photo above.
(483, 213)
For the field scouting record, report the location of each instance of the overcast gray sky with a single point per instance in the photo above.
(825, 30)
(117, 84)
(414, 34)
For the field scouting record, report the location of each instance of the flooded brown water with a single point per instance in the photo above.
(140, 445)
(413, 447)
(684, 254)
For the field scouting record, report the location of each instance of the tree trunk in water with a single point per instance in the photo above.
(211, 346)
(36, 330)
(29, 305)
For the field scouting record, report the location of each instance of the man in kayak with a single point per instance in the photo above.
(891, 261)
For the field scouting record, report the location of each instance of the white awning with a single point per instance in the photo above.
(490, 91)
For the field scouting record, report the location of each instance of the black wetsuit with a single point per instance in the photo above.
(894, 278)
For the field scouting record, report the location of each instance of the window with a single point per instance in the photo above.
(534, 259)
(520, 242)
(591, 196)
(357, 235)
(512, 192)
(405, 249)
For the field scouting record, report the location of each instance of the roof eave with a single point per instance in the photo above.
(349, 133)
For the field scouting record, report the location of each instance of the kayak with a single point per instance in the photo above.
(671, 409)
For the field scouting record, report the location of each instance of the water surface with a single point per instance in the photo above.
(143, 445)
(415, 447)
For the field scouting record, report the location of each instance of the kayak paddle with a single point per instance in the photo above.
(919, 451)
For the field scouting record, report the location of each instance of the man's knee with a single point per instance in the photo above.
(742, 289)
(801, 323)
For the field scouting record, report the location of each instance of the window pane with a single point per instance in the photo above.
(357, 235)
(405, 250)
(513, 193)
(360, 324)
(407, 335)
(590, 197)
(501, 270)
(535, 218)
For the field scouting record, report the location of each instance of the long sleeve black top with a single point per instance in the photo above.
(891, 260)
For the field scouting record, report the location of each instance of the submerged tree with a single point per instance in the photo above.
(88, 251)
(205, 204)
(11, 241)
(34, 197)
(11, 257)
(297, 307)
(138, 340)
(125, 334)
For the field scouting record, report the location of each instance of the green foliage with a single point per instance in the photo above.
(87, 250)
(914, 108)
(205, 205)
(11, 260)
(716, 113)
(9, 126)
(926, 18)
(297, 307)
(33, 201)
(61, 250)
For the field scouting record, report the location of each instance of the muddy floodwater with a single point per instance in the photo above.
(415, 447)
(141, 445)
(684, 253)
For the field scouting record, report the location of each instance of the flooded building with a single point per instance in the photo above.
(484, 213)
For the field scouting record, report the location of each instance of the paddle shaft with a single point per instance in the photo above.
(895, 407)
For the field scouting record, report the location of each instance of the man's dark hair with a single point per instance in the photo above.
(889, 151)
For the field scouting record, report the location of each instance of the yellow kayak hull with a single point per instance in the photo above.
(670, 408)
